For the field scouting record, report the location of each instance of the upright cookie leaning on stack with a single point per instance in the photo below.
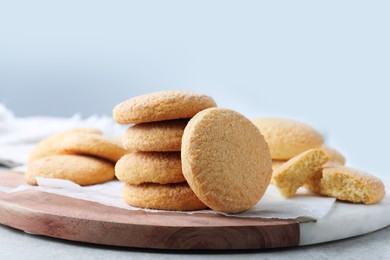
(226, 160)
(153, 172)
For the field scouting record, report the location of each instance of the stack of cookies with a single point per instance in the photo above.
(153, 171)
(186, 154)
(300, 159)
(82, 155)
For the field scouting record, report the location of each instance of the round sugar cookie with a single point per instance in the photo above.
(155, 167)
(225, 160)
(79, 169)
(160, 106)
(101, 146)
(163, 136)
(287, 138)
(162, 196)
(52, 144)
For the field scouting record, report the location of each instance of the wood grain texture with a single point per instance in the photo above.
(72, 219)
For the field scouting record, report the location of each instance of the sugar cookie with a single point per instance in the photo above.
(79, 169)
(313, 183)
(352, 185)
(101, 146)
(335, 159)
(165, 197)
(155, 167)
(296, 172)
(287, 138)
(51, 145)
(160, 106)
(164, 136)
(225, 160)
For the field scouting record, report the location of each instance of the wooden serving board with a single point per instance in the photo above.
(78, 220)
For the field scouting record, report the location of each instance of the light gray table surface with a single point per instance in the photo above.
(15, 244)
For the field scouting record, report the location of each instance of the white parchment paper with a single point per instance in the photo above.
(305, 206)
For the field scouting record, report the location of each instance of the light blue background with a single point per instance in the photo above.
(324, 62)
